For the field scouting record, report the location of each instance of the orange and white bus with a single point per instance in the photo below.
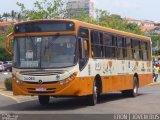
(55, 58)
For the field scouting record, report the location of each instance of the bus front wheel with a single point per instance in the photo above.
(133, 92)
(43, 100)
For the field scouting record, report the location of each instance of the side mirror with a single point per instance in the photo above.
(8, 43)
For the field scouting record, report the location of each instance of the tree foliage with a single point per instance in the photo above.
(116, 22)
(50, 9)
(46, 9)
(155, 40)
(103, 18)
(3, 53)
(82, 17)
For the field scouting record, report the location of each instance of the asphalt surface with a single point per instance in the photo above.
(147, 102)
(5, 101)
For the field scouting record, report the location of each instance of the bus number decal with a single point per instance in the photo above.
(29, 78)
(98, 66)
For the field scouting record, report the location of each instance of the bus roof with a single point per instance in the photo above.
(92, 26)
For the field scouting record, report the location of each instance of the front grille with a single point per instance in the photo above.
(52, 82)
(41, 72)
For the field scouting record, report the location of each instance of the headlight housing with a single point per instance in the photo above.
(69, 79)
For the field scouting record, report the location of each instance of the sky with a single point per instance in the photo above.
(138, 9)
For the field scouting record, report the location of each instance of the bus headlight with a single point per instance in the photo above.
(16, 79)
(19, 81)
(69, 79)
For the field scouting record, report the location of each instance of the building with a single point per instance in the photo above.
(77, 6)
(144, 24)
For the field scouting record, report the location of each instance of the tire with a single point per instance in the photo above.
(92, 99)
(133, 92)
(43, 100)
(135, 88)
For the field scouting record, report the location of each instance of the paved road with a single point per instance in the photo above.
(147, 102)
(5, 101)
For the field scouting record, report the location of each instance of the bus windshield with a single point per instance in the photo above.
(45, 52)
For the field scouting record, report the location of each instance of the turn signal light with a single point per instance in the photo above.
(19, 81)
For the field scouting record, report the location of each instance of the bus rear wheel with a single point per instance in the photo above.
(43, 100)
(133, 92)
(92, 99)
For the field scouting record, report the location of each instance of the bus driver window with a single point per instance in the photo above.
(83, 52)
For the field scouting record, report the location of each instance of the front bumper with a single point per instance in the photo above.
(52, 89)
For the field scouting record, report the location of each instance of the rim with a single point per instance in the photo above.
(95, 93)
(135, 87)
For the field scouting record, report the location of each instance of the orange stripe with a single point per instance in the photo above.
(83, 86)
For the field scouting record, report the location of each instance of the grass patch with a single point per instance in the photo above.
(8, 84)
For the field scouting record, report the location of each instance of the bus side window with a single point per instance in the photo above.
(119, 47)
(136, 46)
(124, 48)
(140, 51)
(129, 49)
(109, 45)
(144, 50)
(83, 42)
(96, 43)
(148, 51)
(133, 49)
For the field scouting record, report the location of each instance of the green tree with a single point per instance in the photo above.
(43, 9)
(1, 17)
(101, 15)
(2, 40)
(6, 16)
(155, 40)
(82, 16)
(116, 22)
(13, 15)
(134, 28)
(3, 54)
(19, 17)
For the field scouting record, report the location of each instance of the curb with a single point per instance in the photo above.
(154, 84)
(18, 99)
(9, 96)
(2, 84)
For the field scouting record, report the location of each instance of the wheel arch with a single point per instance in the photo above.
(136, 75)
(99, 82)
